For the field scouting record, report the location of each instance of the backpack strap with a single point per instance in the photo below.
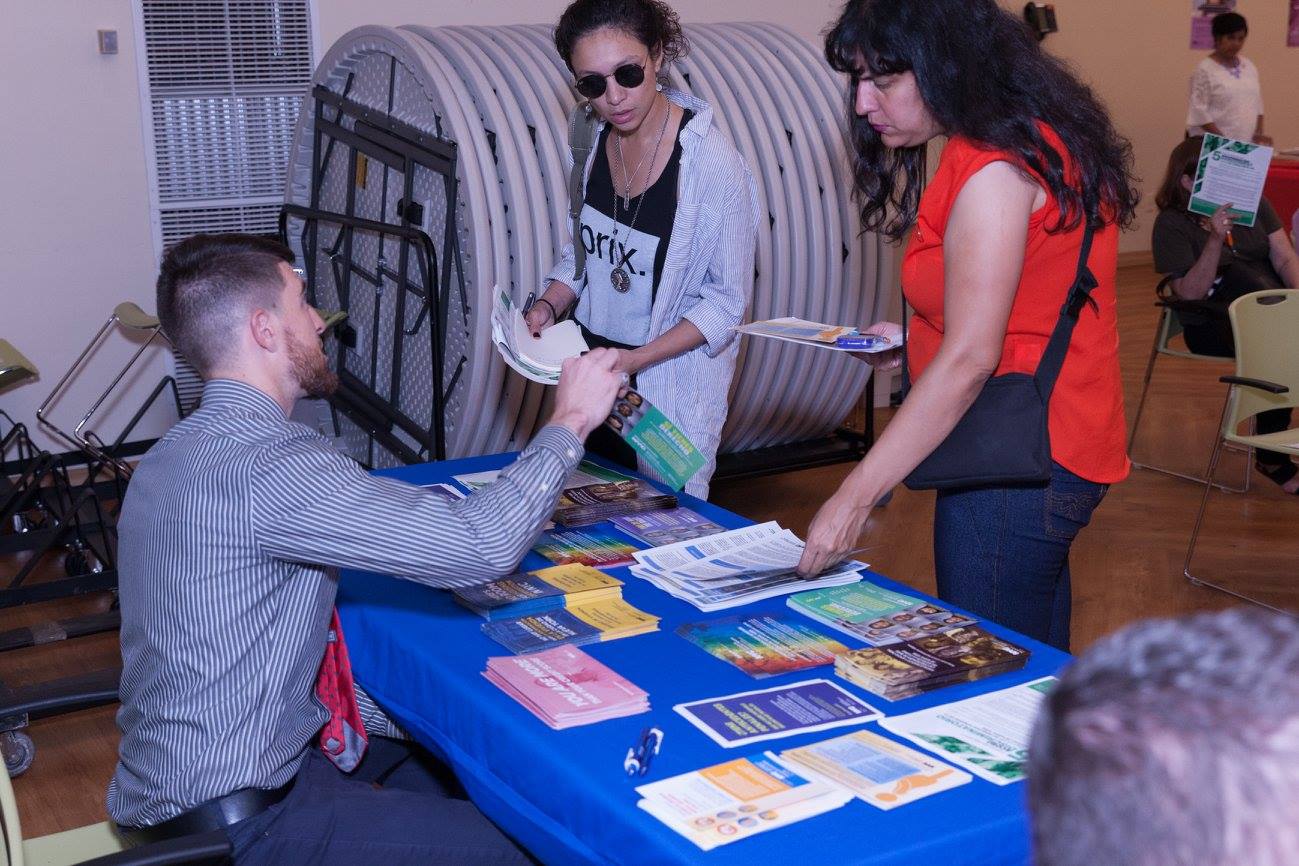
(581, 135)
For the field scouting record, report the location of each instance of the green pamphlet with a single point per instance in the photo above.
(1230, 172)
(658, 441)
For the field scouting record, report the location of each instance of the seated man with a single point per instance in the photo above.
(1173, 743)
(230, 534)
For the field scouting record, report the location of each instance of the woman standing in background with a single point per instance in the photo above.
(1226, 98)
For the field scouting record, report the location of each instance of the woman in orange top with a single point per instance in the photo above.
(997, 234)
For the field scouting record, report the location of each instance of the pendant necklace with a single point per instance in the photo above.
(618, 277)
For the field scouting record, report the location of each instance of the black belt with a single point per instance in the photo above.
(215, 814)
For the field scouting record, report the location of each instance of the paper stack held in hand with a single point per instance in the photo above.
(565, 687)
(736, 567)
(536, 359)
(924, 664)
(738, 799)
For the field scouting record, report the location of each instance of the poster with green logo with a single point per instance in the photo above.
(1230, 172)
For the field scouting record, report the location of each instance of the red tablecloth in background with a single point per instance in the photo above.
(1282, 189)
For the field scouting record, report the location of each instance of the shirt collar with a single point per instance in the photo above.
(232, 394)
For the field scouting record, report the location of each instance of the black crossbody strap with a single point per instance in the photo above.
(581, 131)
(1048, 369)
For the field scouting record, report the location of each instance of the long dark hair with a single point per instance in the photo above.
(1181, 163)
(983, 77)
(653, 22)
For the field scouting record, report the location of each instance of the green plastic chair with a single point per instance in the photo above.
(14, 366)
(1264, 325)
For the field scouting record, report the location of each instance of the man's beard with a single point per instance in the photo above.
(311, 369)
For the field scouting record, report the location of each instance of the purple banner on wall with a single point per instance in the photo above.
(1292, 39)
(1204, 11)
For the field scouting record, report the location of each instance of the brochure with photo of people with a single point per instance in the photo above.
(659, 442)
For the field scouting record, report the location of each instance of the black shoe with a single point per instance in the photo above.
(1281, 473)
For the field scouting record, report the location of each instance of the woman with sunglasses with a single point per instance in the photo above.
(1031, 161)
(668, 223)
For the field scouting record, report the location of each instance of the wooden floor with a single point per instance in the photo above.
(1126, 565)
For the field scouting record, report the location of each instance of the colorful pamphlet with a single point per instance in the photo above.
(874, 614)
(818, 334)
(565, 687)
(656, 528)
(763, 645)
(596, 547)
(736, 567)
(535, 591)
(1230, 172)
(732, 801)
(609, 619)
(659, 442)
(906, 669)
(880, 771)
(781, 711)
(987, 734)
(538, 359)
(592, 503)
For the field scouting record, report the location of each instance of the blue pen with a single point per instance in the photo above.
(862, 342)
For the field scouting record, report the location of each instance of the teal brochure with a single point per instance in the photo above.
(658, 441)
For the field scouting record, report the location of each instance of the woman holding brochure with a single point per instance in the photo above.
(668, 223)
(1212, 262)
(1032, 170)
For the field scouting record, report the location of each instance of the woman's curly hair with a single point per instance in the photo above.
(652, 22)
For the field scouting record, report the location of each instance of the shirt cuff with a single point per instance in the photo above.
(717, 327)
(560, 442)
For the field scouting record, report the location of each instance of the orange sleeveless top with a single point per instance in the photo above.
(1087, 426)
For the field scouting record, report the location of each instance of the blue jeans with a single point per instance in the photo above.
(1003, 552)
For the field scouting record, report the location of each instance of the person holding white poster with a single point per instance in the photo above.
(1213, 260)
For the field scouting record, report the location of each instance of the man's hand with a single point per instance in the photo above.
(833, 533)
(587, 387)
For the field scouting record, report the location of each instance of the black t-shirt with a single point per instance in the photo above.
(608, 317)
(1178, 240)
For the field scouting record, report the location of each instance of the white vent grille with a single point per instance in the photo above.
(225, 80)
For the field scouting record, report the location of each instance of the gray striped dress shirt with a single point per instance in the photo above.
(230, 534)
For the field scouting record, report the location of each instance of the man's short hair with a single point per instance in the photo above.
(1228, 23)
(1173, 743)
(208, 284)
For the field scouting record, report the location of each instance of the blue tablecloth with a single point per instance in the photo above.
(564, 795)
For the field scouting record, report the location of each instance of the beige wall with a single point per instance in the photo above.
(75, 237)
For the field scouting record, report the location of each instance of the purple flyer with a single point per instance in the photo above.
(782, 711)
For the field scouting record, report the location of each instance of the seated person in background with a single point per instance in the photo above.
(1173, 743)
(230, 536)
(1213, 263)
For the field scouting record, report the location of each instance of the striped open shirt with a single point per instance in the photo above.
(230, 535)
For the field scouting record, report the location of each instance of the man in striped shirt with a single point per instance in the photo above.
(230, 536)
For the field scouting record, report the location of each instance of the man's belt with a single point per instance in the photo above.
(215, 814)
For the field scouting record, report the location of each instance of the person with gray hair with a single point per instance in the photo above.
(1170, 743)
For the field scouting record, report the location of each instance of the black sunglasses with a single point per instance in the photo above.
(628, 75)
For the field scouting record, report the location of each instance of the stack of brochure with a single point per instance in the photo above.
(565, 687)
(740, 798)
(580, 506)
(535, 591)
(609, 619)
(736, 567)
(874, 614)
(657, 528)
(909, 668)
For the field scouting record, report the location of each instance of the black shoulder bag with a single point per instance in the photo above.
(1003, 440)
